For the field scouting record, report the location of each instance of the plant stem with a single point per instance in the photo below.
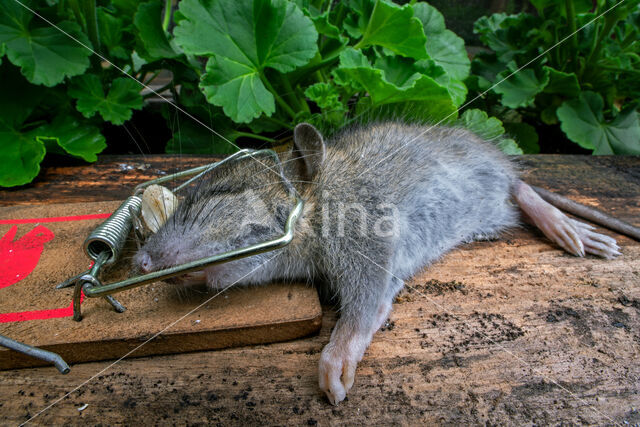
(75, 7)
(628, 41)
(595, 52)
(571, 21)
(86, 17)
(300, 102)
(620, 70)
(341, 12)
(312, 68)
(32, 125)
(168, 4)
(559, 62)
(254, 136)
(359, 45)
(279, 122)
(279, 100)
(91, 17)
(319, 4)
(289, 93)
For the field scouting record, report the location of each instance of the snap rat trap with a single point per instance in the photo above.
(44, 246)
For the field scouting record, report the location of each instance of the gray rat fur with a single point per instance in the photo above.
(382, 201)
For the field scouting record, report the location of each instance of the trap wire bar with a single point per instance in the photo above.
(104, 245)
(39, 353)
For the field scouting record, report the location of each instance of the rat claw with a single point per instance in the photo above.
(330, 371)
(580, 224)
(595, 243)
(348, 374)
(567, 238)
(337, 371)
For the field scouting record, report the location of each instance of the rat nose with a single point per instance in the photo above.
(145, 263)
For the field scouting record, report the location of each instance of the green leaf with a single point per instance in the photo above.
(525, 135)
(443, 46)
(509, 146)
(20, 157)
(456, 88)
(521, 88)
(237, 89)
(509, 35)
(111, 31)
(326, 28)
(490, 129)
(484, 69)
(479, 122)
(562, 83)
(2, 51)
(75, 138)
(115, 107)
(396, 84)
(395, 28)
(356, 22)
(244, 38)
(153, 39)
(138, 61)
(324, 95)
(126, 7)
(45, 55)
(327, 97)
(582, 119)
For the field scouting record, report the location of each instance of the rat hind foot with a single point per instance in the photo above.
(596, 243)
(573, 236)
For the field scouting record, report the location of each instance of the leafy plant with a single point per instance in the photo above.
(321, 62)
(43, 73)
(248, 69)
(585, 82)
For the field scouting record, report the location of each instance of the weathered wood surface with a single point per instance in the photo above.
(506, 332)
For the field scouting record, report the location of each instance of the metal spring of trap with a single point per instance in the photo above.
(104, 245)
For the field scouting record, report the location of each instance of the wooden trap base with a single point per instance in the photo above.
(42, 246)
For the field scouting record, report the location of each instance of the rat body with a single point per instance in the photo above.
(381, 202)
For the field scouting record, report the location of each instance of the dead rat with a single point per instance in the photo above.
(382, 201)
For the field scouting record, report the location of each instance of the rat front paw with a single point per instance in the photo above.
(336, 373)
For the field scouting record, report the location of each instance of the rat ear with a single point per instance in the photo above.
(309, 145)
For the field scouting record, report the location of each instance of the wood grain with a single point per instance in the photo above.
(506, 332)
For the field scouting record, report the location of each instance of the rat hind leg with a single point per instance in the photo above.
(573, 236)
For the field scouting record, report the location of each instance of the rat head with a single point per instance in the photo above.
(238, 204)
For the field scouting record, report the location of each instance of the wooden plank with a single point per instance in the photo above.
(514, 332)
(47, 249)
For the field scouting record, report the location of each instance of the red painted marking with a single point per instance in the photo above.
(39, 314)
(55, 219)
(19, 258)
